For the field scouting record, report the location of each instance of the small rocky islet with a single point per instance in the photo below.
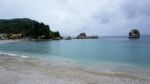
(134, 33)
(84, 36)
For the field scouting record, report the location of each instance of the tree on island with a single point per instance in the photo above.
(55, 34)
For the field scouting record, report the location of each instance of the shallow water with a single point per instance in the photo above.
(106, 50)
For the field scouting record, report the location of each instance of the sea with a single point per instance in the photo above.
(115, 52)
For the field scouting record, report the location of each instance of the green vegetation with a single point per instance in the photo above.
(28, 28)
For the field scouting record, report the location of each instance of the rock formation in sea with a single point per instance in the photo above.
(84, 36)
(68, 38)
(134, 33)
(81, 36)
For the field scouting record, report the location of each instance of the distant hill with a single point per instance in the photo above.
(29, 28)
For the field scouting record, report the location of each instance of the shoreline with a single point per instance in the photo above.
(19, 70)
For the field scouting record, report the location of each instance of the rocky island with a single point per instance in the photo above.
(84, 36)
(134, 33)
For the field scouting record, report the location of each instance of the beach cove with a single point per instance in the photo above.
(75, 61)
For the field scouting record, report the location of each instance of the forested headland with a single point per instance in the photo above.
(26, 28)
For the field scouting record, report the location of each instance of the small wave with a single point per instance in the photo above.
(12, 54)
(9, 54)
(24, 56)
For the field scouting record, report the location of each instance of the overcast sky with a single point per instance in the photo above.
(70, 17)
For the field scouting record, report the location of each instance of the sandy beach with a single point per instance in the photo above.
(18, 70)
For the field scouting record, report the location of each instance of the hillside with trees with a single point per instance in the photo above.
(28, 28)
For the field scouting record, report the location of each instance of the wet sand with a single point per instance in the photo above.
(18, 70)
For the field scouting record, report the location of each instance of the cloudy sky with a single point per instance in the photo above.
(70, 17)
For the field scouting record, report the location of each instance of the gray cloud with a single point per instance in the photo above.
(70, 17)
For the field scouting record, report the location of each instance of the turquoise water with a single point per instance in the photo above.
(89, 51)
